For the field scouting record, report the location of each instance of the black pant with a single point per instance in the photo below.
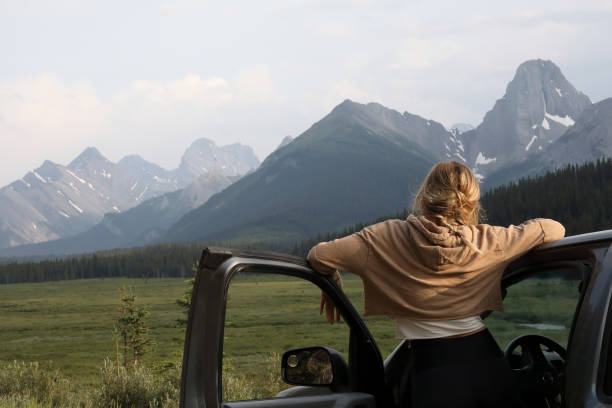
(463, 372)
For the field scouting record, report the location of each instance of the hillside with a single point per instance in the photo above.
(356, 163)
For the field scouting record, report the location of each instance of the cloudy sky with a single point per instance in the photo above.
(149, 77)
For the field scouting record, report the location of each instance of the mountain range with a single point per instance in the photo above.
(56, 201)
(361, 161)
(356, 163)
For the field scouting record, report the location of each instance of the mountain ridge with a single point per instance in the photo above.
(55, 201)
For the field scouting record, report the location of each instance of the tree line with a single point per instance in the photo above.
(580, 197)
(155, 261)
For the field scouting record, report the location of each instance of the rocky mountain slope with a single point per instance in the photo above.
(56, 201)
(538, 107)
(588, 140)
(137, 226)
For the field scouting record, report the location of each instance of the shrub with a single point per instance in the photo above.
(28, 385)
(238, 387)
(136, 387)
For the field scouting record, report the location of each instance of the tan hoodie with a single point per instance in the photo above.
(423, 271)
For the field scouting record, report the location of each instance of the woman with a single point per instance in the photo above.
(436, 272)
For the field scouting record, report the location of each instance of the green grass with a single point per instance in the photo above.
(69, 324)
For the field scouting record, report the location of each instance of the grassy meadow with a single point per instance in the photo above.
(68, 325)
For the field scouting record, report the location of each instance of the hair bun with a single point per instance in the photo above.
(450, 191)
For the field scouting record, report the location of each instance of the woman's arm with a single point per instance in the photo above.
(516, 240)
(348, 254)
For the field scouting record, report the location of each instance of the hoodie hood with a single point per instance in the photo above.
(439, 246)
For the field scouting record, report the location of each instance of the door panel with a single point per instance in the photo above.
(342, 400)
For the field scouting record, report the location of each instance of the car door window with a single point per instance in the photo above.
(544, 303)
(266, 315)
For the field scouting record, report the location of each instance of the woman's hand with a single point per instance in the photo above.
(327, 304)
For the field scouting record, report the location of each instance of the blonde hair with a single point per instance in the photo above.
(450, 194)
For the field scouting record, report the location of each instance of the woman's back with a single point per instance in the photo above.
(436, 273)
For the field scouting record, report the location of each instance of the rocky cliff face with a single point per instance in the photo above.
(589, 139)
(538, 107)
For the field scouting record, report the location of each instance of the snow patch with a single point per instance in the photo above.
(64, 214)
(448, 155)
(461, 157)
(105, 174)
(76, 177)
(74, 187)
(482, 159)
(545, 124)
(141, 194)
(539, 147)
(90, 186)
(565, 121)
(60, 193)
(133, 186)
(460, 145)
(428, 123)
(559, 92)
(26, 183)
(76, 207)
(38, 176)
(478, 176)
(530, 142)
(534, 126)
(446, 146)
(116, 209)
(34, 226)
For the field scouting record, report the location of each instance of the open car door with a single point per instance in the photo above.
(212, 327)
(552, 328)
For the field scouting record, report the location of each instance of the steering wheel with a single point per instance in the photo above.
(538, 377)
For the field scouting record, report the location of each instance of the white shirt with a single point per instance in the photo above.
(418, 329)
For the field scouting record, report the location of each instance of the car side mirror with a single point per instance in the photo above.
(314, 366)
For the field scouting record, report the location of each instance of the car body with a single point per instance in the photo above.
(580, 378)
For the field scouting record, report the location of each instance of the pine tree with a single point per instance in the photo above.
(131, 329)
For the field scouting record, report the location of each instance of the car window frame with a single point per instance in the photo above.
(530, 270)
(209, 301)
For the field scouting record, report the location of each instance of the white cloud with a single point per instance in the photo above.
(43, 118)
